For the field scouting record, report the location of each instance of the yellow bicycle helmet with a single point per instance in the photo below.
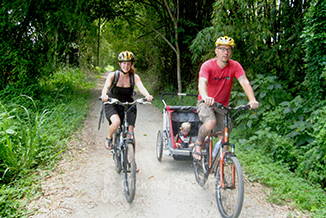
(126, 56)
(225, 41)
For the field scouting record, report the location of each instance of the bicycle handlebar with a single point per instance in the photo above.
(240, 107)
(137, 101)
(178, 94)
(228, 108)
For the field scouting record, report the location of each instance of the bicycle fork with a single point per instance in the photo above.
(223, 160)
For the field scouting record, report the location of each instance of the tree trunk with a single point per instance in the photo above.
(177, 50)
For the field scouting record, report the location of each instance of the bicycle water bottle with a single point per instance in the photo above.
(216, 147)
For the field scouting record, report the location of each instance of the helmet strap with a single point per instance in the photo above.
(224, 62)
(123, 71)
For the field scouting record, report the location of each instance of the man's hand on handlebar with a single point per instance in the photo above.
(209, 100)
(254, 104)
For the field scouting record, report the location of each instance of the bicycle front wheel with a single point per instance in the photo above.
(116, 154)
(129, 173)
(230, 197)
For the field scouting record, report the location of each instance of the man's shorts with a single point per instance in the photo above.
(118, 109)
(206, 113)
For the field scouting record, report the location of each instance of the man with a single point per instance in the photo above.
(215, 83)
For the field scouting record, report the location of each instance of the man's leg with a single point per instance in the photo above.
(204, 131)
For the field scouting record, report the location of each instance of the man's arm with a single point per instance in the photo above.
(202, 88)
(244, 82)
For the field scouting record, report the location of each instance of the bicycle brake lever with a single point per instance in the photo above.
(246, 107)
(219, 105)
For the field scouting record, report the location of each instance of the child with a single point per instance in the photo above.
(182, 140)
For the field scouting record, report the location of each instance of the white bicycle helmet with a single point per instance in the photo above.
(225, 41)
(126, 56)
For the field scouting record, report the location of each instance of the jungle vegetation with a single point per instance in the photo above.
(52, 51)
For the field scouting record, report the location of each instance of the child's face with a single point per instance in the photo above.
(185, 131)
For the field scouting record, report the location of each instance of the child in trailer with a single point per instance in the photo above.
(182, 139)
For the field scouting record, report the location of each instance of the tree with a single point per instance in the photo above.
(267, 37)
(314, 47)
(164, 30)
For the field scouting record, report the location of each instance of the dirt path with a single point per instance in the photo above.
(85, 183)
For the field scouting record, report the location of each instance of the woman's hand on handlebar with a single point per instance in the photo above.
(105, 97)
(149, 98)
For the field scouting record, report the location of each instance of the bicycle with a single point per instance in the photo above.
(123, 149)
(229, 184)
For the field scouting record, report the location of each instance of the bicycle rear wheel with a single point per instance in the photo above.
(129, 173)
(116, 154)
(202, 169)
(230, 198)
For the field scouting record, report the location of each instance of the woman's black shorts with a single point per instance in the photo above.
(118, 109)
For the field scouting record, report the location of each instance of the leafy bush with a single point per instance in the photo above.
(312, 164)
(287, 187)
(315, 42)
(34, 131)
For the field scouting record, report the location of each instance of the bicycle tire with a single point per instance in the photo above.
(116, 154)
(129, 173)
(159, 145)
(202, 169)
(230, 199)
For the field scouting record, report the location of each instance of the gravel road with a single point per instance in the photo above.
(85, 183)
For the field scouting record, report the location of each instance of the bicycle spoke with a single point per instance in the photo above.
(230, 198)
(129, 173)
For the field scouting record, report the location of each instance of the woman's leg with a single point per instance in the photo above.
(115, 122)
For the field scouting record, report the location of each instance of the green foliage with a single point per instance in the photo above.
(33, 132)
(145, 28)
(20, 132)
(269, 94)
(290, 119)
(287, 188)
(201, 45)
(37, 36)
(315, 42)
(262, 45)
(312, 164)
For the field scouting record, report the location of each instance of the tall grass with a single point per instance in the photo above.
(22, 131)
(34, 129)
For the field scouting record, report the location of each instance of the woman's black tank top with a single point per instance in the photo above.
(124, 94)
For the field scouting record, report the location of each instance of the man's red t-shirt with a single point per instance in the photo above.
(220, 81)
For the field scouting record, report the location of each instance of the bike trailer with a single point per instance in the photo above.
(173, 117)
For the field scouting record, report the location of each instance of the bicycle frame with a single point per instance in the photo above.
(125, 148)
(229, 185)
(122, 134)
(220, 156)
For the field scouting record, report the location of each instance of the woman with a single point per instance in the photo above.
(123, 90)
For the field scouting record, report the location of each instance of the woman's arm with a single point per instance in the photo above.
(107, 86)
(142, 88)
